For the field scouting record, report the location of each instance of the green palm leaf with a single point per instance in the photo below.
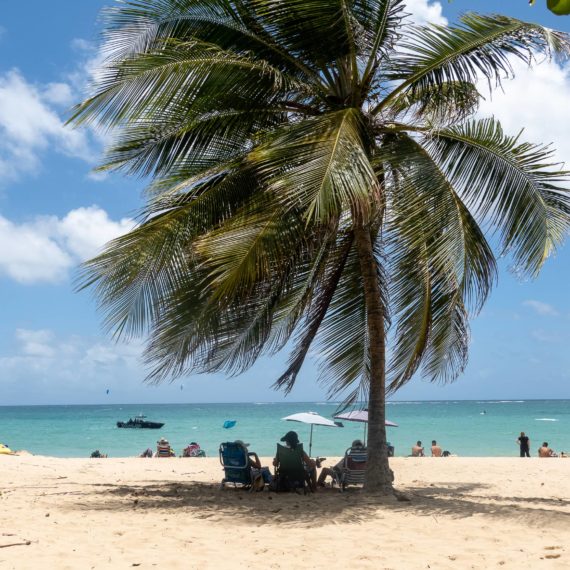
(510, 185)
(480, 46)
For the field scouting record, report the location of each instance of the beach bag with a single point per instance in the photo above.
(257, 480)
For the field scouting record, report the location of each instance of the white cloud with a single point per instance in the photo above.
(44, 249)
(85, 74)
(28, 255)
(32, 117)
(81, 44)
(72, 362)
(536, 100)
(425, 11)
(540, 308)
(36, 343)
(545, 336)
(59, 94)
(85, 230)
(29, 126)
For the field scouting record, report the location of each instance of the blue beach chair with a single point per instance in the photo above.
(234, 459)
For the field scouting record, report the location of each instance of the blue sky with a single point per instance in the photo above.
(54, 213)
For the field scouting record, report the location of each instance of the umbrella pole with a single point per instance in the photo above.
(365, 426)
(311, 441)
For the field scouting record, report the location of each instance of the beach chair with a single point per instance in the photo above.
(235, 461)
(353, 469)
(290, 473)
(163, 451)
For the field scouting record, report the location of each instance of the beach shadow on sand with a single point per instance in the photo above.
(328, 506)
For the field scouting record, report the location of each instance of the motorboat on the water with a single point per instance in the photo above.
(140, 422)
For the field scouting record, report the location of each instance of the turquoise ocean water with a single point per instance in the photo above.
(460, 426)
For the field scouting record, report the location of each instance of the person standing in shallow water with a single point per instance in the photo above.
(524, 444)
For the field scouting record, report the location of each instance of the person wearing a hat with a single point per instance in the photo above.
(252, 457)
(336, 471)
(291, 439)
(163, 448)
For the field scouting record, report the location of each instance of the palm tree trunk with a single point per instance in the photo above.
(379, 476)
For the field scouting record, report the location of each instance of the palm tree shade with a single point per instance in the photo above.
(319, 180)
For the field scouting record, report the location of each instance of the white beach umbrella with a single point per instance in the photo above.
(313, 419)
(360, 416)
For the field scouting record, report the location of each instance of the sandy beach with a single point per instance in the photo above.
(171, 513)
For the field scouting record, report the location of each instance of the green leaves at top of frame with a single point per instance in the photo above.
(478, 46)
(559, 7)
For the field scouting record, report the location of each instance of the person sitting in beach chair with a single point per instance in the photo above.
(193, 450)
(335, 472)
(294, 469)
(354, 466)
(163, 448)
(239, 464)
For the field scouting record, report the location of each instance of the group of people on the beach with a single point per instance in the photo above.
(544, 450)
(436, 450)
(291, 440)
(193, 449)
(164, 449)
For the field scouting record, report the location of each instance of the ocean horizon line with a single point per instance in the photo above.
(290, 402)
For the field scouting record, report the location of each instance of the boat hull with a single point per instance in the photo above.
(140, 425)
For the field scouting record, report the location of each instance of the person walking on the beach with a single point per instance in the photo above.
(436, 450)
(418, 450)
(524, 444)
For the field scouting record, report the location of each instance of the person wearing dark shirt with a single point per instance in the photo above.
(524, 444)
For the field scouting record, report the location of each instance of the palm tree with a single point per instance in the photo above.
(317, 174)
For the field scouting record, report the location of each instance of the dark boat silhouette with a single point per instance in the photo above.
(139, 422)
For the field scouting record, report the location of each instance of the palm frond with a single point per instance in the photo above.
(512, 186)
(440, 105)
(315, 310)
(440, 258)
(379, 21)
(176, 76)
(479, 46)
(138, 270)
(319, 166)
(342, 344)
(249, 247)
(139, 27)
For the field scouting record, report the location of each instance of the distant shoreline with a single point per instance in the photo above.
(280, 402)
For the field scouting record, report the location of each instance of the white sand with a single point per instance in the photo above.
(169, 513)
